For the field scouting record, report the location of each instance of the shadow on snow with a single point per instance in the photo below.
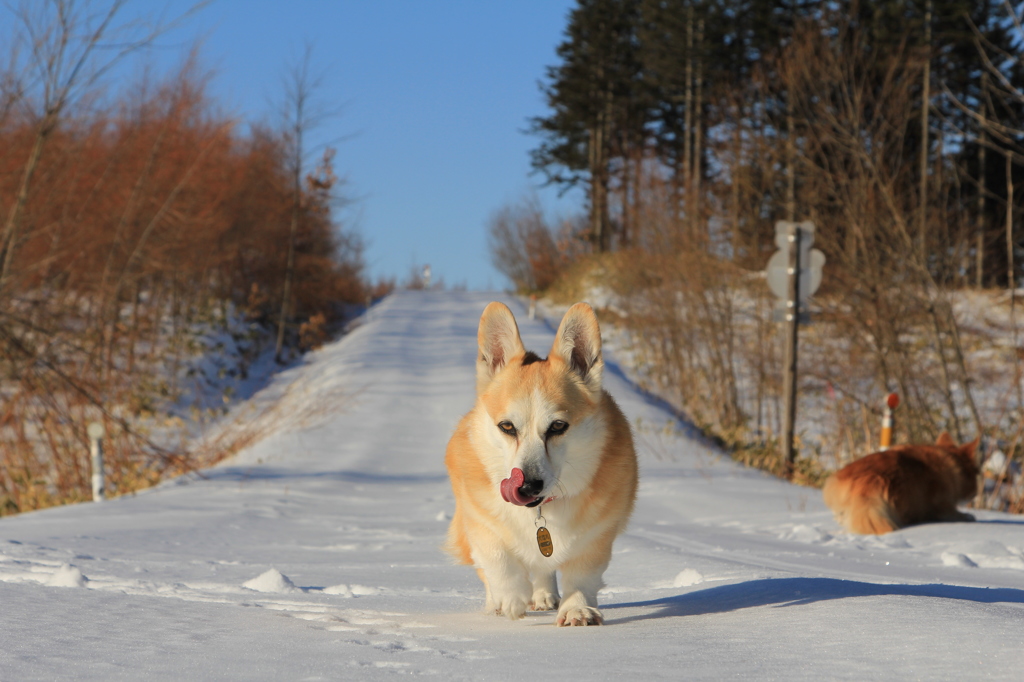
(784, 592)
(241, 474)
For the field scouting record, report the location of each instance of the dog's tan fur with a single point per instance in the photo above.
(590, 470)
(904, 486)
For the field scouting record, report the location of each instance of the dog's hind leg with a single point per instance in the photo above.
(545, 592)
(871, 516)
(489, 600)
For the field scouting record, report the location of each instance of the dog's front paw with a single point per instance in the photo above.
(513, 607)
(543, 600)
(579, 615)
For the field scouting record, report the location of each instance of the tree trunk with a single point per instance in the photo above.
(598, 187)
(10, 235)
(790, 160)
(1011, 281)
(925, 107)
(979, 254)
(737, 165)
(688, 122)
(289, 274)
(697, 135)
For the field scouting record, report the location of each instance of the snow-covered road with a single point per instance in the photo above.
(314, 554)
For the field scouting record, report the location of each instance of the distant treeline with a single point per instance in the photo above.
(739, 106)
(161, 196)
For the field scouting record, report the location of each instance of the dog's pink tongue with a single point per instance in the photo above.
(510, 488)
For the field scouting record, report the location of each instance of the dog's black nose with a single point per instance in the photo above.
(531, 488)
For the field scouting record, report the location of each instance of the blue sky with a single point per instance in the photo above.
(435, 96)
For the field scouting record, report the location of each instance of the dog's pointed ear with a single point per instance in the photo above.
(971, 448)
(945, 440)
(498, 340)
(578, 343)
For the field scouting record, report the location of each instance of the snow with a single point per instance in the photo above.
(271, 581)
(314, 554)
(67, 576)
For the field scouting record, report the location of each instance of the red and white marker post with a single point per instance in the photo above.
(892, 401)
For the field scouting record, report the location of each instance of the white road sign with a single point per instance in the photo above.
(811, 261)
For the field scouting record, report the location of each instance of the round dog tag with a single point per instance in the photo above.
(544, 541)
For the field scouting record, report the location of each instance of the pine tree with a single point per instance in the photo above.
(598, 115)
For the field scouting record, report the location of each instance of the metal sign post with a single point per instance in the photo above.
(792, 323)
(793, 274)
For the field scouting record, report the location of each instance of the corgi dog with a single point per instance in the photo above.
(543, 470)
(903, 486)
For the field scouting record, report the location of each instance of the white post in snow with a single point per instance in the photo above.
(96, 432)
(533, 307)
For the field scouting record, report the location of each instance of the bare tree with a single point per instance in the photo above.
(528, 249)
(70, 46)
(302, 112)
(926, 106)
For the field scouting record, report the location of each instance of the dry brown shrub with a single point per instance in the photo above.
(142, 217)
(528, 249)
(313, 332)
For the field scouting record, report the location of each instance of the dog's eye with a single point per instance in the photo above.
(507, 428)
(557, 427)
